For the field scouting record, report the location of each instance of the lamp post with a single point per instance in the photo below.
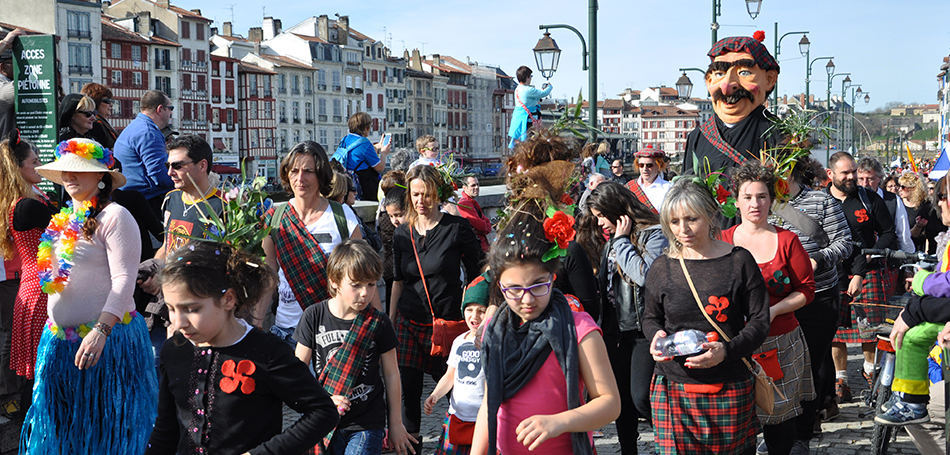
(803, 46)
(831, 71)
(751, 6)
(684, 86)
(591, 68)
(831, 78)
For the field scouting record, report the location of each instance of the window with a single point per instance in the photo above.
(116, 50)
(322, 78)
(200, 82)
(117, 78)
(282, 83)
(136, 53)
(252, 84)
(369, 51)
(349, 81)
(369, 101)
(308, 112)
(252, 110)
(283, 111)
(336, 80)
(323, 139)
(200, 32)
(77, 24)
(359, 82)
(336, 107)
(307, 85)
(186, 29)
(296, 112)
(137, 79)
(186, 54)
(80, 59)
(163, 59)
(295, 85)
(201, 55)
(322, 106)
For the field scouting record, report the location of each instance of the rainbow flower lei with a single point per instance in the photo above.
(86, 149)
(57, 245)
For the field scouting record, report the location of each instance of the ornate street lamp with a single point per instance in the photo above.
(753, 7)
(804, 45)
(547, 55)
(830, 67)
(867, 99)
(684, 87)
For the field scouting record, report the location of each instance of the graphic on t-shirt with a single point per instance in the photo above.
(177, 230)
(470, 363)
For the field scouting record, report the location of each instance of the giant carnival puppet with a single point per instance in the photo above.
(740, 77)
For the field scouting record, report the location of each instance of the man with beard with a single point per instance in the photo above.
(863, 281)
(740, 76)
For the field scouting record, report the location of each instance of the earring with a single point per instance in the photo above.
(101, 185)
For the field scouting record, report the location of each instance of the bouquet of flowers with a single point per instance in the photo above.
(796, 129)
(241, 222)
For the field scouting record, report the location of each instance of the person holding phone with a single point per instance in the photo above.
(362, 159)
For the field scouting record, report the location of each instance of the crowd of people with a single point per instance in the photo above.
(129, 328)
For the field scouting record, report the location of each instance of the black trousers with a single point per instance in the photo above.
(780, 437)
(630, 358)
(819, 322)
(10, 383)
(412, 379)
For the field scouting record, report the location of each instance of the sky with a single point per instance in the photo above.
(893, 48)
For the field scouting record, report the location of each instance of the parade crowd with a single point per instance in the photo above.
(539, 329)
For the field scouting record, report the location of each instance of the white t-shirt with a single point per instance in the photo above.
(328, 236)
(469, 378)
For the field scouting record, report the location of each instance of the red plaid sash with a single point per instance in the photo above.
(343, 368)
(634, 187)
(711, 133)
(300, 257)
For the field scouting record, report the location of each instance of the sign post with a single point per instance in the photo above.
(34, 78)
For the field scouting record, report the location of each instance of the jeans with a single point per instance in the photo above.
(350, 442)
(285, 335)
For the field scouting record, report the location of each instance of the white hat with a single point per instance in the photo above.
(81, 155)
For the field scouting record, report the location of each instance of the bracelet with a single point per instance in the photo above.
(103, 328)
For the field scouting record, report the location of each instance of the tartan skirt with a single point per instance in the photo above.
(414, 343)
(796, 383)
(864, 307)
(717, 423)
(445, 447)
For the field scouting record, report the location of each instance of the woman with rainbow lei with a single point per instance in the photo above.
(96, 389)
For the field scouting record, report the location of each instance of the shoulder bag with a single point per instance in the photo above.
(444, 332)
(765, 388)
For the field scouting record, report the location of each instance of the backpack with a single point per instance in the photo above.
(345, 156)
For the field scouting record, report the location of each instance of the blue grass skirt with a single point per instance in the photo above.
(107, 409)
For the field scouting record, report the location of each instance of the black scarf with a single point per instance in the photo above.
(748, 137)
(513, 355)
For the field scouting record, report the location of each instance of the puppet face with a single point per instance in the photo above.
(737, 85)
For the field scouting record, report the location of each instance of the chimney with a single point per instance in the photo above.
(106, 4)
(343, 29)
(226, 29)
(405, 55)
(416, 61)
(271, 27)
(163, 3)
(214, 31)
(323, 28)
(437, 59)
(255, 34)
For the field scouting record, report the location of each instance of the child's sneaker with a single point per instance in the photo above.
(903, 413)
(887, 404)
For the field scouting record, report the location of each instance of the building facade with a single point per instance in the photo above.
(225, 131)
(258, 142)
(125, 70)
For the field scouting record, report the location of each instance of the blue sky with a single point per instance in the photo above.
(893, 48)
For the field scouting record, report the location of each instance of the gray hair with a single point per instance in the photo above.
(691, 197)
(868, 164)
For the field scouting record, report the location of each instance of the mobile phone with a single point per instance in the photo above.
(387, 138)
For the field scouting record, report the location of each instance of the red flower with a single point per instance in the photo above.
(722, 194)
(781, 187)
(566, 199)
(559, 228)
(759, 35)
(238, 375)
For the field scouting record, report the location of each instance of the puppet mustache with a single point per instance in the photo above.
(734, 97)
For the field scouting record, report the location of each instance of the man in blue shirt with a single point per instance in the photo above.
(141, 150)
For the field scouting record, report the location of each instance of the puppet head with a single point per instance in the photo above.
(740, 77)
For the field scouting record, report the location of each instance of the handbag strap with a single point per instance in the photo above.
(703, 310)
(422, 275)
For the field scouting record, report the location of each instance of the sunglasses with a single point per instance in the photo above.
(169, 107)
(177, 165)
(646, 165)
(615, 166)
(86, 113)
(107, 101)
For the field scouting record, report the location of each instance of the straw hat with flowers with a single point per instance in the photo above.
(81, 155)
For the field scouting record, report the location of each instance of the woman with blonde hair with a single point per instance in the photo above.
(24, 213)
(924, 222)
(77, 116)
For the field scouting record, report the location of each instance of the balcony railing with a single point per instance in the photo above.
(358, 90)
(322, 87)
(78, 33)
(283, 119)
(163, 65)
(353, 63)
(336, 88)
(337, 118)
(215, 98)
(295, 91)
(296, 119)
(322, 117)
(310, 120)
(349, 90)
(307, 91)
(230, 127)
(282, 90)
(80, 69)
(229, 100)
(252, 92)
(268, 93)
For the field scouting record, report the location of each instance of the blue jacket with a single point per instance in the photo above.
(528, 97)
(141, 150)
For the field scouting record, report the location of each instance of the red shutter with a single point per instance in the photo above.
(216, 87)
(229, 88)
(201, 82)
(379, 100)
(369, 101)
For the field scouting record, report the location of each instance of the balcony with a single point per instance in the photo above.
(229, 99)
(322, 87)
(358, 90)
(310, 121)
(215, 127)
(252, 92)
(77, 33)
(282, 90)
(322, 117)
(268, 93)
(308, 91)
(354, 64)
(231, 127)
(215, 98)
(283, 119)
(296, 119)
(163, 65)
(337, 118)
(295, 91)
(80, 69)
(336, 88)
(349, 90)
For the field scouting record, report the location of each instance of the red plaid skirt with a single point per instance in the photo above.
(414, 345)
(873, 293)
(722, 423)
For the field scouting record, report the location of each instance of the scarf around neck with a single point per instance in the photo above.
(513, 355)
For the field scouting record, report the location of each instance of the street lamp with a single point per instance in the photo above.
(751, 6)
(867, 99)
(830, 67)
(808, 66)
(803, 48)
(547, 55)
(591, 68)
(684, 87)
(831, 77)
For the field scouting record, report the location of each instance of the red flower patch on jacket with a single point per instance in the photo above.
(236, 375)
(861, 215)
(717, 308)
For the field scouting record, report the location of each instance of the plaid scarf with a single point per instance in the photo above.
(634, 187)
(344, 366)
(300, 257)
(711, 133)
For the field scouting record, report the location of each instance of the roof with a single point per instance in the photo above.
(221, 58)
(457, 65)
(610, 104)
(280, 60)
(14, 27)
(668, 111)
(413, 73)
(232, 38)
(186, 13)
(313, 39)
(113, 32)
(246, 67)
(360, 36)
(670, 91)
(163, 41)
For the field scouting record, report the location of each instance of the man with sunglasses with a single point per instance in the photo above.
(616, 168)
(650, 187)
(141, 150)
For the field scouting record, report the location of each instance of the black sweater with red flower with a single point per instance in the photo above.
(228, 400)
(733, 293)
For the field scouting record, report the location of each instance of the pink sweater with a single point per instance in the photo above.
(103, 274)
